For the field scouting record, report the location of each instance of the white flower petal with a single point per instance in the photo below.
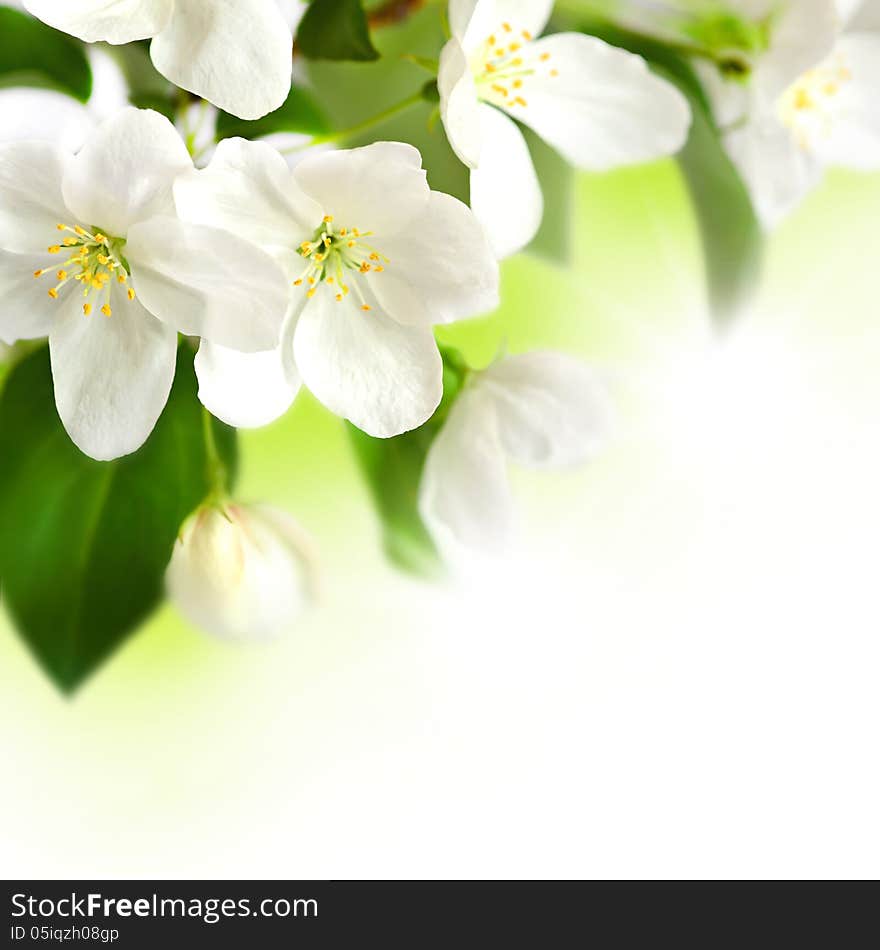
(209, 283)
(866, 16)
(802, 36)
(464, 495)
(292, 11)
(237, 54)
(473, 21)
(443, 271)
(778, 173)
(249, 190)
(365, 367)
(31, 204)
(26, 311)
(459, 106)
(505, 192)
(110, 91)
(380, 188)
(241, 573)
(42, 115)
(852, 138)
(847, 9)
(112, 374)
(552, 410)
(600, 106)
(125, 171)
(113, 21)
(247, 390)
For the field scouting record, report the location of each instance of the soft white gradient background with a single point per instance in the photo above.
(676, 675)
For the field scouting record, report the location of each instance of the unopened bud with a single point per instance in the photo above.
(241, 572)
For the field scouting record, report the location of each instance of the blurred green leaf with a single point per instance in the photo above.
(335, 29)
(147, 88)
(553, 241)
(33, 54)
(299, 113)
(84, 544)
(733, 242)
(393, 470)
(732, 236)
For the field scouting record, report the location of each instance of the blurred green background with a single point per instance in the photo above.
(696, 605)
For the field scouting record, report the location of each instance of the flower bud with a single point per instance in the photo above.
(241, 572)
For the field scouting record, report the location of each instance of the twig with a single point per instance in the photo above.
(392, 12)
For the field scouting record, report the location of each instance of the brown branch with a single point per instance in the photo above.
(392, 12)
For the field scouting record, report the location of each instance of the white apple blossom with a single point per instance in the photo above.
(804, 95)
(235, 53)
(241, 572)
(828, 115)
(374, 258)
(541, 410)
(598, 106)
(93, 256)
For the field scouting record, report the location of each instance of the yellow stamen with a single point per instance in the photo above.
(106, 310)
(87, 309)
(131, 293)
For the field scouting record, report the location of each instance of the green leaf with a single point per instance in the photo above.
(147, 88)
(393, 470)
(84, 544)
(553, 242)
(33, 54)
(733, 242)
(336, 29)
(299, 113)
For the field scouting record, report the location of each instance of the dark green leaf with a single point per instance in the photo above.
(430, 92)
(300, 113)
(731, 234)
(335, 29)
(33, 54)
(84, 544)
(393, 470)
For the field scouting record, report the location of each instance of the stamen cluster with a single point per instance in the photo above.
(332, 254)
(503, 63)
(95, 262)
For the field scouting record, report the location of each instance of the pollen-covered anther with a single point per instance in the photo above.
(333, 251)
(94, 260)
